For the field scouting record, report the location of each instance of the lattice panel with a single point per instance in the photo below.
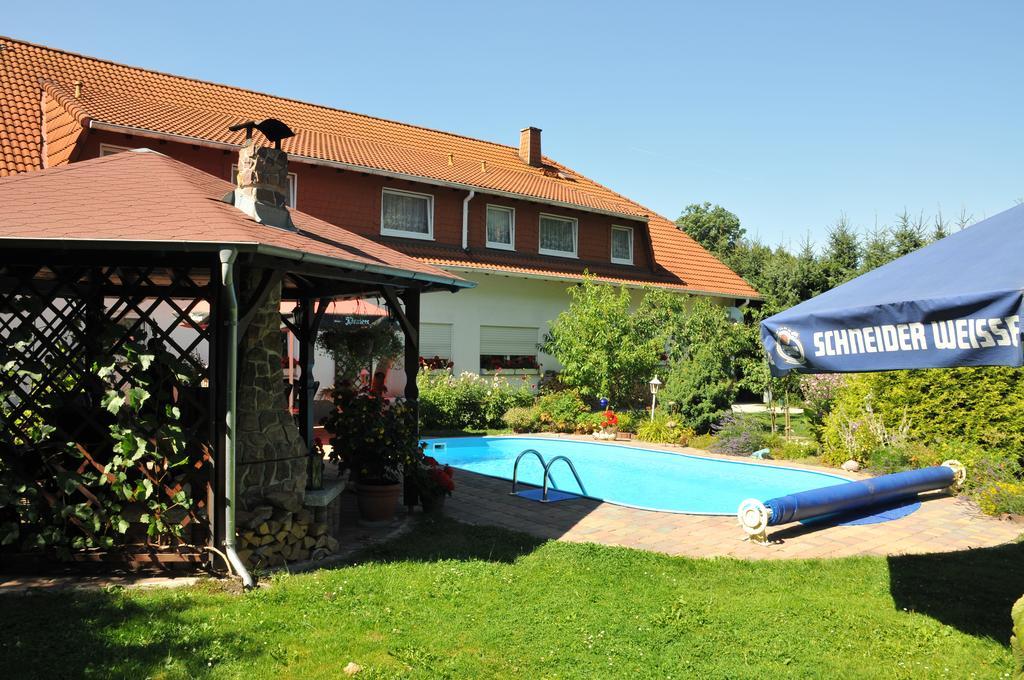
(58, 323)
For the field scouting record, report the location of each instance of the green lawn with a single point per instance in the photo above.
(451, 600)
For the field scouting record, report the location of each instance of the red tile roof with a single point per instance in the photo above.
(144, 197)
(140, 100)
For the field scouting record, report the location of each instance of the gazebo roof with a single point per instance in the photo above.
(146, 201)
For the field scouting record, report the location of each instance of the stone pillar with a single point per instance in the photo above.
(271, 454)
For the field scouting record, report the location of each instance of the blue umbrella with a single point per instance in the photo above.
(955, 302)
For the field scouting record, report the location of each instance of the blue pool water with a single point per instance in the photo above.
(627, 475)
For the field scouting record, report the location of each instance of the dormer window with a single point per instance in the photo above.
(407, 214)
(558, 236)
(622, 245)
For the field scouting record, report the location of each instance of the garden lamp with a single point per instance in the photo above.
(655, 385)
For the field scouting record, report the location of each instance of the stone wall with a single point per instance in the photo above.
(271, 454)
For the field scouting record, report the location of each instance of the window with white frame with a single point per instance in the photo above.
(293, 185)
(407, 214)
(558, 236)
(622, 245)
(435, 345)
(501, 227)
(508, 347)
(111, 149)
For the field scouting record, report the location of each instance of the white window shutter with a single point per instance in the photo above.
(436, 340)
(508, 341)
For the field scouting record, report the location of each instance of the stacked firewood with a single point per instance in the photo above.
(270, 537)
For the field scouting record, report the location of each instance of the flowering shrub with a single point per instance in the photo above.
(819, 392)
(740, 435)
(858, 434)
(609, 420)
(435, 363)
(560, 411)
(664, 430)
(522, 419)
(432, 479)
(372, 436)
(497, 362)
(468, 402)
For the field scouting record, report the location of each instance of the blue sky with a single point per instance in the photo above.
(788, 114)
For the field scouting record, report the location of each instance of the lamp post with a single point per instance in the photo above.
(655, 384)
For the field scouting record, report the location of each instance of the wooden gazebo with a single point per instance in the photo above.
(135, 242)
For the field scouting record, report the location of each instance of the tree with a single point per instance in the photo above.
(712, 226)
(878, 249)
(809, 278)
(605, 349)
(909, 234)
(701, 382)
(842, 253)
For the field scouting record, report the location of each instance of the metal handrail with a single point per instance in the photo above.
(547, 474)
(515, 467)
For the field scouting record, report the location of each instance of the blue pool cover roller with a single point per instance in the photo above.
(755, 516)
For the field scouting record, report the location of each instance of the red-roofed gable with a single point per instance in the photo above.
(38, 100)
(146, 197)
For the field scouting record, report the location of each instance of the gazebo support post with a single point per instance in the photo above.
(306, 386)
(310, 317)
(411, 300)
(218, 376)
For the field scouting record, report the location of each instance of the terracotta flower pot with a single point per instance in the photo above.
(378, 502)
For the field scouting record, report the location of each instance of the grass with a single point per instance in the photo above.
(450, 600)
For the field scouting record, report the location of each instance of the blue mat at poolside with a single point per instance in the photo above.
(554, 495)
(875, 515)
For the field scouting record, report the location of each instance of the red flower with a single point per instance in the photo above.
(610, 419)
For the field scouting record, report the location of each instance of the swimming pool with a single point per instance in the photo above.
(628, 475)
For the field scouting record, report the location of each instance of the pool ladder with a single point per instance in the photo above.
(547, 473)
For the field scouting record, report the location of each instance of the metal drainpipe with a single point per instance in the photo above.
(465, 218)
(227, 277)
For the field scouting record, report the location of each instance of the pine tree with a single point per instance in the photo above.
(842, 256)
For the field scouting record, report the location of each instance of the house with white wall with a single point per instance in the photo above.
(518, 223)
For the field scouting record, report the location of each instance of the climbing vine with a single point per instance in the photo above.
(123, 477)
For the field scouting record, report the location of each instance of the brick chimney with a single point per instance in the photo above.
(261, 184)
(529, 146)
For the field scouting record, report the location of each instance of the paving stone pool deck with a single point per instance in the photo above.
(943, 523)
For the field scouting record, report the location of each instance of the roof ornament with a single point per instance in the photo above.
(273, 129)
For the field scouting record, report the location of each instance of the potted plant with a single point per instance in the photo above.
(609, 426)
(375, 439)
(433, 482)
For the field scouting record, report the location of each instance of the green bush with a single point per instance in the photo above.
(502, 395)
(664, 430)
(983, 406)
(701, 385)
(588, 423)
(608, 348)
(467, 402)
(902, 456)
(559, 411)
(705, 442)
(741, 435)
(629, 420)
(522, 419)
(794, 449)
(993, 480)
